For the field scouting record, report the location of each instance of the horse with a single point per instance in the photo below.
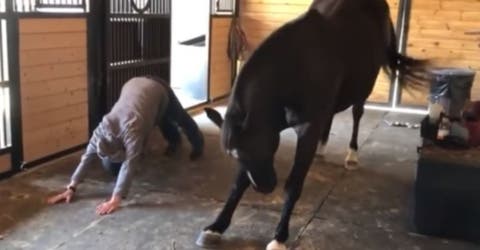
(320, 63)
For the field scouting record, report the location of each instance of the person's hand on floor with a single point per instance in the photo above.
(109, 207)
(66, 196)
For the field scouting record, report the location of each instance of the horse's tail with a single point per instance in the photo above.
(413, 71)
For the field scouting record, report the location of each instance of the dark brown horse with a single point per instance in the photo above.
(312, 67)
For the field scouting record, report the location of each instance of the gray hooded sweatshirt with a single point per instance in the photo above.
(123, 132)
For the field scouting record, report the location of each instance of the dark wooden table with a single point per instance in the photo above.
(469, 157)
(447, 193)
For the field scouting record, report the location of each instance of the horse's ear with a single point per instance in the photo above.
(214, 116)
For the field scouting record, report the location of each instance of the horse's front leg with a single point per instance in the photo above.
(211, 235)
(308, 137)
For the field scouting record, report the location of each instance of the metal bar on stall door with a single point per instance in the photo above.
(115, 32)
(154, 42)
(143, 39)
(1, 51)
(9, 118)
(136, 39)
(4, 115)
(2, 124)
(140, 63)
(118, 41)
(113, 47)
(148, 41)
(127, 42)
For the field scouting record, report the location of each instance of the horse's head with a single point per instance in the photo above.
(252, 144)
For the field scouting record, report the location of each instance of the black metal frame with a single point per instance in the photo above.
(137, 42)
(60, 4)
(14, 72)
(39, 4)
(96, 47)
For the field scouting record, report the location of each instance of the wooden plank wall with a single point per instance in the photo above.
(260, 17)
(381, 90)
(5, 163)
(437, 31)
(220, 70)
(53, 85)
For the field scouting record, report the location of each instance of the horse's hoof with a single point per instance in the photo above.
(208, 239)
(351, 165)
(275, 245)
(351, 161)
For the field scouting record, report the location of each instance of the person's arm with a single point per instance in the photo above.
(133, 143)
(79, 174)
(87, 159)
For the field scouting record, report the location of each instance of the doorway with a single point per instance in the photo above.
(189, 45)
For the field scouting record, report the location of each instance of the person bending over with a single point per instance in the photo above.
(120, 137)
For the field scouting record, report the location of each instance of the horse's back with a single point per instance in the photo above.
(316, 59)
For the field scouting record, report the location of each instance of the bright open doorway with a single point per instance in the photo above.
(189, 60)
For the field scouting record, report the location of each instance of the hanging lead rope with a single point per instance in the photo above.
(237, 41)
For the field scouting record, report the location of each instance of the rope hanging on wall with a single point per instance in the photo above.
(237, 41)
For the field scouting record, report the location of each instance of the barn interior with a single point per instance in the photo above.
(63, 63)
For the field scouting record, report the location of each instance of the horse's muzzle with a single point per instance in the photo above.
(265, 187)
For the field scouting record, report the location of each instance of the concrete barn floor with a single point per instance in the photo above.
(173, 199)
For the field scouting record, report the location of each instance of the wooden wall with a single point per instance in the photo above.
(381, 90)
(53, 85)
(220, 69)
(260, 17)
(437, 31)
(5, 163)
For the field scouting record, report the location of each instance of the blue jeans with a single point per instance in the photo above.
(112, 167)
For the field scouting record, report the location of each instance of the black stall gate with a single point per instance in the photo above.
(137, 42)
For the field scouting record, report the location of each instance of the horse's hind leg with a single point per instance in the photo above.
(351, 161)
(308, 137)
(211, 235)
(323, 142)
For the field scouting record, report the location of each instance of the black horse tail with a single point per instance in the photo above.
(413, 71)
